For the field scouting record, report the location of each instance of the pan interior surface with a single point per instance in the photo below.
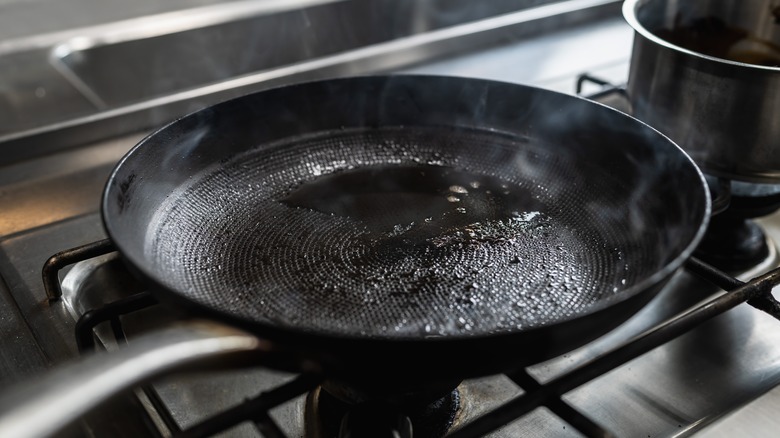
(403, 232)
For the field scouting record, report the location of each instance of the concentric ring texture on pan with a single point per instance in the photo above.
(401, 233)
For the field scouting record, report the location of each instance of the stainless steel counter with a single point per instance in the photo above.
(25, 19)
(98, 82)
(553, 61)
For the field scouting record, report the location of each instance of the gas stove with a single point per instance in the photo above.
(716, 379)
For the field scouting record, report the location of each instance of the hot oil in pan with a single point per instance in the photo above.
(432, 230)
(385, 234)
(422, 206)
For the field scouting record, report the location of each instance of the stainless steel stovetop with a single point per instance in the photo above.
(717, 380)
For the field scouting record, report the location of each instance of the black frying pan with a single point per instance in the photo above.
(397, 234)
(421, 227)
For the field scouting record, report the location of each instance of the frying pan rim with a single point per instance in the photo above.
(261, 328)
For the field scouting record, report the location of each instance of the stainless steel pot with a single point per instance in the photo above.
(724, 112)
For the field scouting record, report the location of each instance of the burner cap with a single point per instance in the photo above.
(326, 416)
(733, 244)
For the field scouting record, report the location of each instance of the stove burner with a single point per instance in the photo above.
(436, 410)
(733, 244)
(327, 416)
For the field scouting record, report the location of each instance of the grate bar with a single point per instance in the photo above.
(607, 88)
(561, 408)
(268, 427)
(764, 302)
(633, 348)
(252, 408)
(51, 269)
(85, 338)
(162, 410)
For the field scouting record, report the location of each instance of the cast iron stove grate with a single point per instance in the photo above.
(756, 292)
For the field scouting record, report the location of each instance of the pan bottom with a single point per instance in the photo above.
(398, 233)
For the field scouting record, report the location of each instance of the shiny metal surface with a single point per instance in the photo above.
(33, 93)
(39, 192)
(98, 112)
(721, 112)
(131, 64)
(43, 407)
(551, 61)
(758, 418)
(22, 21)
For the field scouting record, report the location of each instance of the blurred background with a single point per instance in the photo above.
(65, 65)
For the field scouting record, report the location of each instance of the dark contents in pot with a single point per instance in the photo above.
(712, 36)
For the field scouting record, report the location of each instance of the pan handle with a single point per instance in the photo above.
(59, 397)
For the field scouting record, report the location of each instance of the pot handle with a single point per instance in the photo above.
(54, 400)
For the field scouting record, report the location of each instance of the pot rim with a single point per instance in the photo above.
(630, 8)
